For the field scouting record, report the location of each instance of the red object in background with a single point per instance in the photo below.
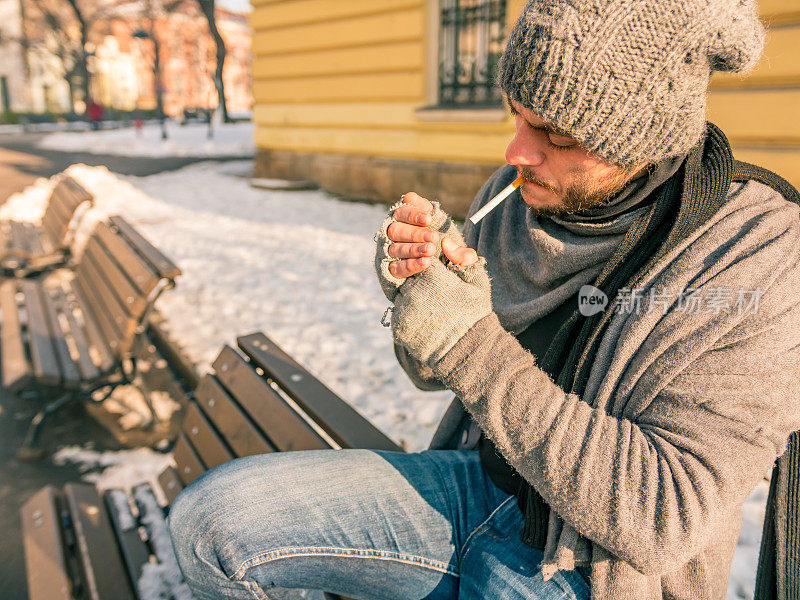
(94, 112)
(137, 125)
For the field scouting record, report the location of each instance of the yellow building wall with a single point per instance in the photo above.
(348, 77)
(760, 111)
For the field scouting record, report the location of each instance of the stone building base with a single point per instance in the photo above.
(454, 185)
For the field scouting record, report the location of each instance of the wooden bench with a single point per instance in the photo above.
(74, 332)
(27, 249)
(257, 400)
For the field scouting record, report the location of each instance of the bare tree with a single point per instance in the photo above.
(50, 30)
(153, 10)
(208, 7)
(81, 66)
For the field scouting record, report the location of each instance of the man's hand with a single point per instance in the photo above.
(416, 244)
(439, 290)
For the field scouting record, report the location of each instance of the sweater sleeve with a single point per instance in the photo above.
(652, 488)
(420, 374)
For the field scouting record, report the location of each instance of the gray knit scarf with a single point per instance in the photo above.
(536, 263)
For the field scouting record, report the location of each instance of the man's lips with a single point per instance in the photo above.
(527, 184)
(531, 179)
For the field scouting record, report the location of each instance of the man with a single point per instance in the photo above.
(614, 448)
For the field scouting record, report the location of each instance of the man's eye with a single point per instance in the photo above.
(563, 141)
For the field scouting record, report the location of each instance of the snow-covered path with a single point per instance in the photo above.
(296, 265)
(230, 139)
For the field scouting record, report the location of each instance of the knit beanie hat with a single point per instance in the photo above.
(627, 78)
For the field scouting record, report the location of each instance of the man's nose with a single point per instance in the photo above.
(525, 150)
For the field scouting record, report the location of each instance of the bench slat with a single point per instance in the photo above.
(85, 363)
(163, 265)
(104, 573)
(108, 303)
(283, 425)
(53, 233)
(131, 298)
(47, 245)
(77, 192)
(69, 369)
(70, 195)
(93, 333)
(96, 311)
(190, 467)
(43, 355)
(19, 239)
(45, 561)
(67, 197)
(56, 218)
(236, 427)
(206, 442)
(34, 239)
(137, 270)
(15, 366)
(5, 234)
(340, 420)
(170, 483)
(135, 553)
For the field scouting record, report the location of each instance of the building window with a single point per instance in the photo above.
(471, 36)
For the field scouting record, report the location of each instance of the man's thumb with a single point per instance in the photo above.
(459, 255)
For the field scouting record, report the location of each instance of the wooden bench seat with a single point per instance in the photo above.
(27, 249)
(112, 546)
(257, 400)
(73, 331)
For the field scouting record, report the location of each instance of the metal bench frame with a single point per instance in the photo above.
(115, 300)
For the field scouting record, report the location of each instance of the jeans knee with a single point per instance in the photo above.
(184, 526)
(206, 521)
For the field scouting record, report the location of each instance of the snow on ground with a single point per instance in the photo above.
(123, 469)
(298, 266)
(229, 139)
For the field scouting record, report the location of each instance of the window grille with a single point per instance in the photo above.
(471, 36)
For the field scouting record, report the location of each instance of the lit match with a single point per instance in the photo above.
(497, 200)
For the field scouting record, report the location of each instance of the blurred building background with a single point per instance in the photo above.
(43, 56)
(373, 99)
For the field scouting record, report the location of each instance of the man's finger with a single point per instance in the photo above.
(412, 215)
(400, 232)
(409, 267)
(459, 255)
(417, 201)
(398, 250)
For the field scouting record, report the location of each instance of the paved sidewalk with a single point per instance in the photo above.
(22, 161)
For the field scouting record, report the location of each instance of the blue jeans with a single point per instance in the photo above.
(365, 524)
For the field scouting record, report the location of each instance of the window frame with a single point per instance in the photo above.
(433, 111)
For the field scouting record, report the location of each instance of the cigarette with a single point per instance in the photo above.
(497, 200)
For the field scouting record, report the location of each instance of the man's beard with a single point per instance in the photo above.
(581, 194)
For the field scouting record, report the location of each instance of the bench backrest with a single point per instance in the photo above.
(261, 400)
(118, 276)
(65, 200)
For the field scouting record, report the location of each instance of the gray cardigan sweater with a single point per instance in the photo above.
(683, 413)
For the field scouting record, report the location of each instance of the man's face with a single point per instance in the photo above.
(561, 176)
